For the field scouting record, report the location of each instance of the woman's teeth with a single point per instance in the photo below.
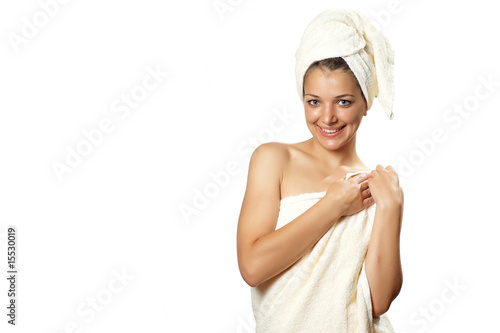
(331, 131)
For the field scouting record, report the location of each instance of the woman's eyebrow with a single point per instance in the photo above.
(339, 96)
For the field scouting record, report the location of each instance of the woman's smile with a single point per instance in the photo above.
(334, 107)
(331, 133)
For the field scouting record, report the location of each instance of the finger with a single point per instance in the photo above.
(361, 177)
(366, 193)
(364, 186)
(390, 168)
(368, 201)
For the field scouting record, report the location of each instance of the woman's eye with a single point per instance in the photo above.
(344, 102)
(313, 102)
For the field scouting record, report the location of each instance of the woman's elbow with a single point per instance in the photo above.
(248, 273)
(252, 279)
(382, 306)
(380, 309)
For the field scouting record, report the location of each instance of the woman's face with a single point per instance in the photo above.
(333, 101)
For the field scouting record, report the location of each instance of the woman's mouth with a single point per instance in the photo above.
(331, 133)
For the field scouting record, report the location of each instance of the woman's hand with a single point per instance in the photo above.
(384, 187)
(351, 195)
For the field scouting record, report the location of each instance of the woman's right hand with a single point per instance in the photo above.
(351, 195)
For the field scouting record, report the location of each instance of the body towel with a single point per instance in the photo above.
(327, 289)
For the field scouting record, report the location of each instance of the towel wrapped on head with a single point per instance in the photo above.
(350, 35)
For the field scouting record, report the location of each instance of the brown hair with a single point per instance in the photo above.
(330, 64)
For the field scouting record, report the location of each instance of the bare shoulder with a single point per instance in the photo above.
(274, 153)
(270, 158)
(270, 165)
(274, 147)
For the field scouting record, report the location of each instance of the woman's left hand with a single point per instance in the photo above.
(384, 187)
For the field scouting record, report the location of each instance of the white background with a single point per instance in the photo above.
(228, 73)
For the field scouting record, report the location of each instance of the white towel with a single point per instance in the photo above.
(327, 289)
(349, 34)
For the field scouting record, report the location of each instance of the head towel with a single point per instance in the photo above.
(349, 34)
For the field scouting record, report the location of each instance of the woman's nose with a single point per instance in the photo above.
(329, 114)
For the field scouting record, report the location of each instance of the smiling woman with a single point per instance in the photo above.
(318, 233)
(333, 101)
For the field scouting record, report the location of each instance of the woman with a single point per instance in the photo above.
(318, 233)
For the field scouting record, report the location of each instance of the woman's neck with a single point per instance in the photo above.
(344, 157)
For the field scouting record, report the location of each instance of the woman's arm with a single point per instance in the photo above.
(383, 261)
(264, 252)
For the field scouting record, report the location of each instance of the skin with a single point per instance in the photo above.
(332, 99)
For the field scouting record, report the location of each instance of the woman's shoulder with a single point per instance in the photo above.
(275, 155)
(279, 151)
(267, 164)
(272, 152)
(279, 154)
